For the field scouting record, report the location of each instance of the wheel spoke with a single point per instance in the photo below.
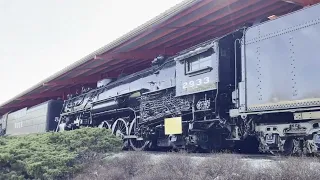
(104, 124)
(120, 128)
(137, 145)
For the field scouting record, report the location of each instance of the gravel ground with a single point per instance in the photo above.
(256, 161)
(184, 166)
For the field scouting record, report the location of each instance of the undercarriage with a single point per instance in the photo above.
(290, 139)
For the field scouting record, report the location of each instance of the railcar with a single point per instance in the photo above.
(179, 102)
(277, 92)
(255, 84)
(252, 89)
(36, 119)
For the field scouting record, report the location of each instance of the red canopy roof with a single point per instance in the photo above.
(180, 27)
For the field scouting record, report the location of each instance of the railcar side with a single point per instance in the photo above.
(37, 119)
(278, 92)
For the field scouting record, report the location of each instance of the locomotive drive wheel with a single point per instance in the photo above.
(136, 144)
(120, 128)
(105, 124)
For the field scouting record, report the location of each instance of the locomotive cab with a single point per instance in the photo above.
(205, 74)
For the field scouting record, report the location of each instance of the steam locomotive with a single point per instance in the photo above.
(252, 89)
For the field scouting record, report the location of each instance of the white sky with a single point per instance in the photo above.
(40, 37)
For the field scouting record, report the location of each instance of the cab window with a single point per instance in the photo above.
(198, 62)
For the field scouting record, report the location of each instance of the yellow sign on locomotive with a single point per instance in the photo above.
(173, 125)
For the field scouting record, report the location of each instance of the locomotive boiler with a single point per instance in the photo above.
(179, 102)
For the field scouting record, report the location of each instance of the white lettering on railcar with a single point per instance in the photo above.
(199, 82)
(206, 80)
(196, 83)
(191, 83)
(18, 125)
(185, 85)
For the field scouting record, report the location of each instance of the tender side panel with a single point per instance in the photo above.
(282, 62)
(197, 70)
(25, 121)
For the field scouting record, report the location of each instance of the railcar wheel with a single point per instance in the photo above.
(120, 128)
(136, 144)
(290, 147)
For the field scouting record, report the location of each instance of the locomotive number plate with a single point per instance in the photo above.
(196, 83)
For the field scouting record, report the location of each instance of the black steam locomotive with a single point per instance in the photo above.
(252, 89)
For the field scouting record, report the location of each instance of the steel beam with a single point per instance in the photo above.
(43, 95)
(139, 54)
(132, 69)
(107, 68)
(138, 67)
(155, 52)
(230, 29)
(225, 23)
(23, 104)
(202, 14)
(169, 21)
(302, 2)
(148, 53)
(78, 80)
(228, 15)
(241, 18)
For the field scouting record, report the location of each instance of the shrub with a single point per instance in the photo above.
(53, 155)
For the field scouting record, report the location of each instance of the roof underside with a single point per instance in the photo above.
(183, 26)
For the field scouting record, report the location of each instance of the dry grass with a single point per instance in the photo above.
(176, 166)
